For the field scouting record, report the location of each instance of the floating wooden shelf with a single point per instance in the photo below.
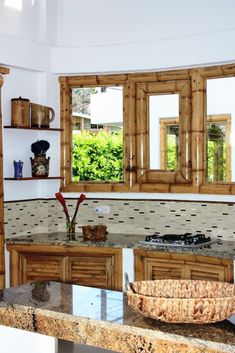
(32, 128)
(33, 178)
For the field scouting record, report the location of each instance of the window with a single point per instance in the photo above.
(97, 138)
(153, 101)
(218, 146)
(174, 134)
(93, 140)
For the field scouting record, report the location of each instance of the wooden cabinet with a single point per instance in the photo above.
(39, 267)
(161, 265)
(89, 266)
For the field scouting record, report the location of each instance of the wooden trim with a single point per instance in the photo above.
(164, 122)
(66, 85)
(31, 128)
(4, 70)
(33, 178)
(203, 74)
(144, 174)
(137, 175)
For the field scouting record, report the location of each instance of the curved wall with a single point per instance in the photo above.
(128, 35)
(48, 38)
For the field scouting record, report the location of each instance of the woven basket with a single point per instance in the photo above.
(185, 301)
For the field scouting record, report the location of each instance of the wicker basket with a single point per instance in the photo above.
(185, 301)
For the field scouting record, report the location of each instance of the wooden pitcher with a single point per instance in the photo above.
(41, 116)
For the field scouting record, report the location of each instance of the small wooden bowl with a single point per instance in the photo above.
(94, 233)
(183, 301)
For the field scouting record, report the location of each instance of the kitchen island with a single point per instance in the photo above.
(102, 318)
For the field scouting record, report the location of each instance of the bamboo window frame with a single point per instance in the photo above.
(199, 119)
(137, 176)
(144, 91)
(66, 86)
(219, 118)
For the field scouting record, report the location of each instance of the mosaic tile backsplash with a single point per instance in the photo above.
(126, 216)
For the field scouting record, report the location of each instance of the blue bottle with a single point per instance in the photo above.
(18, 169)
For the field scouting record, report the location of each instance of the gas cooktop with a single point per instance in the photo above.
(186, 240)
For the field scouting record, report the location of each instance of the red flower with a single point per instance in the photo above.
(81, 198)
(61, 199)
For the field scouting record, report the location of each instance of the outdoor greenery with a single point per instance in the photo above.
(81, 98)
(216, 152)
(172, 153)
(98, 156)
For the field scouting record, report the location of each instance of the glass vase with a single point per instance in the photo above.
(70, 229)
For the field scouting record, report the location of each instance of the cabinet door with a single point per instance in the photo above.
(163, 269)
(203, 271)
(150, 265)
(94, 271)
(37, 267)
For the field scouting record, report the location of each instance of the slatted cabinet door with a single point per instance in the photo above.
(38, 267)
(91, 271)
(151, 265)
(161, 269)
(206, 272)
(90, 266)
(96, 267)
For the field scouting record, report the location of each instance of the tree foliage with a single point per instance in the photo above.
(98, 156)
(81, 99)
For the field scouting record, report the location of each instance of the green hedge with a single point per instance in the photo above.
(98, 156)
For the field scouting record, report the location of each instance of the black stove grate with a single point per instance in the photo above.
(183, 239)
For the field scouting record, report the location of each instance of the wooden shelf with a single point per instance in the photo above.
(33, 178)
(32, 128)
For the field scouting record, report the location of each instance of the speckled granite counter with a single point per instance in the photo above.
(103, 319)
(223, 249)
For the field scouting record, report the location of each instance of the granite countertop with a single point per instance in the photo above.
(222, 249)
(103, 319)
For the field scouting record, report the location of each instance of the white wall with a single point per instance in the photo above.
(106, 22)
(129, 35)
(13, 18)
(25, 49)
(49, 37)
(23, 34)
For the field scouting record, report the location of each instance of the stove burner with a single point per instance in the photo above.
(178, 239)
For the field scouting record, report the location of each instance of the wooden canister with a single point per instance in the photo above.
(20, 115)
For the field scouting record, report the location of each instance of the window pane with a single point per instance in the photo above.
(162, 107)
(172, 144)
(216, 152)
(97, 120)
(220, 161)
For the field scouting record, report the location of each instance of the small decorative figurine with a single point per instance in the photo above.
(18, 169)
(40, 164)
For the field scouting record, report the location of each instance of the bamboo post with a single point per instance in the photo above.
(198, 129)
(142, 137)
(4, 71)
